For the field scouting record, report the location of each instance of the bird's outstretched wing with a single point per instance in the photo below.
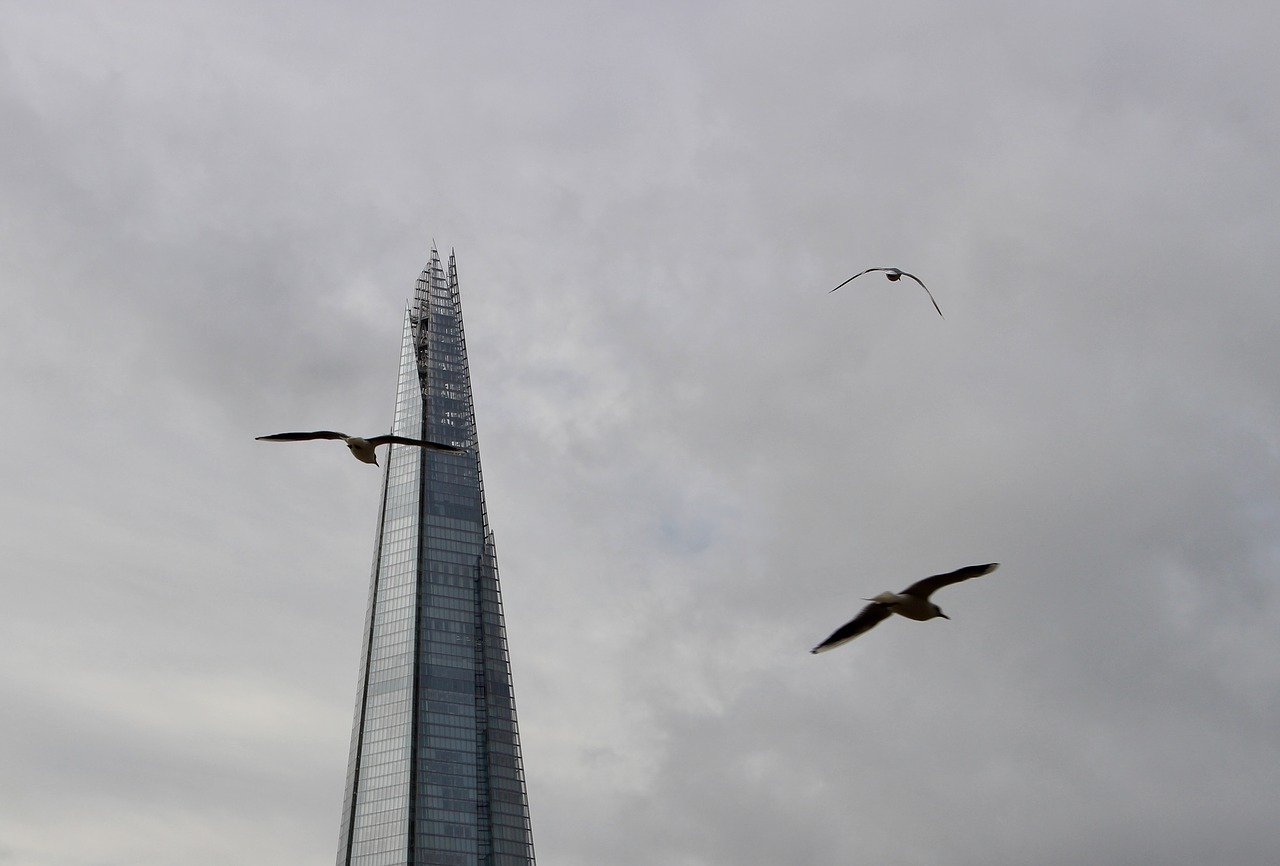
(870, 616)
(923, 588)
(375, 441)
(855, 276)
(298, 437)
(926, 291)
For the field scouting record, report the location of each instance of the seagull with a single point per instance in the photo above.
(361, 448)
(893, 274)
(913, 603)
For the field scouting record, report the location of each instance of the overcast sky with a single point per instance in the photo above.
(697, 460)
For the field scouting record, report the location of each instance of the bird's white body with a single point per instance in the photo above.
(362, 449)
(919, 609)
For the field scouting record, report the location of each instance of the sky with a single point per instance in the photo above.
(698, 460)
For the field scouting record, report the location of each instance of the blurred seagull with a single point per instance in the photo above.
(362, 449)
(913, 603)
(893, 274)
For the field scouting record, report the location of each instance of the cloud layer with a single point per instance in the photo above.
(697, 460)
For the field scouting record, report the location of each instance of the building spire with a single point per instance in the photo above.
(435, 774)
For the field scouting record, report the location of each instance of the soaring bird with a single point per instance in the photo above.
(361, 448)
(913, 603)
(893, 274)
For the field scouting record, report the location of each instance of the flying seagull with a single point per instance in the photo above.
(913, 603)
(362, 449)
(893, 274)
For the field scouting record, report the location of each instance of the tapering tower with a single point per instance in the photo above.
(435, 776)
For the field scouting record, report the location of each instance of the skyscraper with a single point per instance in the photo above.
(434, 776)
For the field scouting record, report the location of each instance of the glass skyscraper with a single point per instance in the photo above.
(434, 776)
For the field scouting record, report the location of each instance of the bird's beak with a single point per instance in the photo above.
(943, 615)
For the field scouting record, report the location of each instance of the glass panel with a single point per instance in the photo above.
(435, 759)
(378, 826)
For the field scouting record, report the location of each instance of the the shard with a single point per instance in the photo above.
(434, 776)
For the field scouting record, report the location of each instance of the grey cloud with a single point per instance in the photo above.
(697, 461)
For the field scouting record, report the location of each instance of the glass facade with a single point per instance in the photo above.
(434, 776)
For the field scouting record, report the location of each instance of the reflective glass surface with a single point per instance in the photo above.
(435, 774)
